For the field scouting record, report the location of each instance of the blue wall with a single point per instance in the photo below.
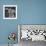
(28, 12)
(7, 26)
(33, 12)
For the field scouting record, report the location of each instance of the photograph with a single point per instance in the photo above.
(29, 34)
(9, 11)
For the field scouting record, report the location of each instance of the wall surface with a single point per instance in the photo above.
(7, 26)
(34, 12)
(28, 12)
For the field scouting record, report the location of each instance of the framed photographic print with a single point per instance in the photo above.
(33, 32)
(9, 11)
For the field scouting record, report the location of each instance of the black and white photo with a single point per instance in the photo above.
(9, 11)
